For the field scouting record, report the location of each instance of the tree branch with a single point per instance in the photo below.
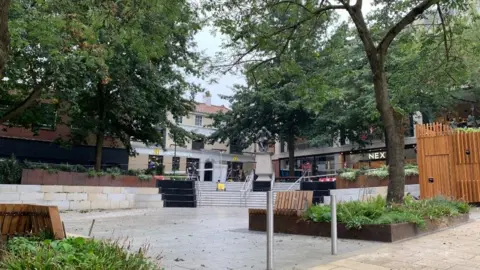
(442, 20)
(406, 20)
(20, 108)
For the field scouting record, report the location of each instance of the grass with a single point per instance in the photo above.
(375, 211)
(72, 254)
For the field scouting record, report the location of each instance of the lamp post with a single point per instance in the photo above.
(174, 157)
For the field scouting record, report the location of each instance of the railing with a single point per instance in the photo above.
(298, 181)
(309, 177)
(247, 186)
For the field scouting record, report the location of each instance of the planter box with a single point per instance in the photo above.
(291, 223)
(364, 181)
(43, 177)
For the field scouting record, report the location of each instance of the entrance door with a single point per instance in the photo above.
(208, 175)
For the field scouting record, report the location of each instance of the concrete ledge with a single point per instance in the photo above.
(82, 197)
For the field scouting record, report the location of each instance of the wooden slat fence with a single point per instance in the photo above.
(296, 200)
(448, 162)
(26, 220)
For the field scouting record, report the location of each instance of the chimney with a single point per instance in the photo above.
(207, 98)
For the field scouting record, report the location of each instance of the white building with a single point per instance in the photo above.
(218, 156)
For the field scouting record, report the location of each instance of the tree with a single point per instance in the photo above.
(376, 38)
(136, 57)
(4, 37)
(37, 66)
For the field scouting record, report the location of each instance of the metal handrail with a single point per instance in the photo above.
(298, 181)
(247, 186)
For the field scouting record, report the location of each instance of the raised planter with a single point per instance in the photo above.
(291, 223)
(43, 177)
(364, 181)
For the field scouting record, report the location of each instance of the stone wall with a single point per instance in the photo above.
(355, 194)
(82, 197)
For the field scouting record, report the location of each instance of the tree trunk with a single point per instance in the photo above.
(4, 36)
(99, 151)
(393, 122)
(291, 155)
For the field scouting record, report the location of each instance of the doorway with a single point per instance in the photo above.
(207, 175)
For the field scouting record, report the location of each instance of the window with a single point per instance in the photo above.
(154, 161)
(175, 163)
(198, 145)
(198, 120)
(180, 120)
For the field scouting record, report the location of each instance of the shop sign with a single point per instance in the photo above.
(377, 155)
(156, 151)
(235, 158)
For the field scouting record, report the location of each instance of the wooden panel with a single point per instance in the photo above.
(293, 199)
(23, 219)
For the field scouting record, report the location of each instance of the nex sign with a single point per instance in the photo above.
(378, 155)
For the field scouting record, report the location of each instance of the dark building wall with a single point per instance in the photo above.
(49, 152)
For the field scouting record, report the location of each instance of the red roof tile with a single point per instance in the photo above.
(209, 109)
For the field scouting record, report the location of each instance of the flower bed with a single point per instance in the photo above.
(353, 178)
(45, 177)
(370, 220)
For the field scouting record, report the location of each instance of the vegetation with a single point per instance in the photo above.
(10, 171)
(382, 172)
(378, 34)
(72, 253)
(355, 214)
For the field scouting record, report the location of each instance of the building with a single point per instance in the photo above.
(42, 145)
(325, 161)
(213, 162)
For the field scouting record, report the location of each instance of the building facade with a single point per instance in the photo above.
(212, 162)
(325, 161)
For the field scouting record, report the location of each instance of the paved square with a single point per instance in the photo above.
(208, 238)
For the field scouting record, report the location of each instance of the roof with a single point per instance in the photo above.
(209, 109)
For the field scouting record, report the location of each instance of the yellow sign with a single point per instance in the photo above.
(235, 158)
(156, 151)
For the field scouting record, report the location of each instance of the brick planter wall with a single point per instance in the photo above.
(370, 181)
(43, 177)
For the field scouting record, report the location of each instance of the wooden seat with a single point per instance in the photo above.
(26, 219)
(294, 200)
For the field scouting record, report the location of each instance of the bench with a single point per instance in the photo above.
(29, 219)
(287, 202)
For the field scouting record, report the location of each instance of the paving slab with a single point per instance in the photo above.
(453, 249)
(209, 238)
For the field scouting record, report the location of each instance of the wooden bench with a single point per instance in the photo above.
(28, 219)
(288, 202)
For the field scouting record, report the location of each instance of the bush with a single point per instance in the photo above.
(10, 171)
(375, 211)
(72, 253)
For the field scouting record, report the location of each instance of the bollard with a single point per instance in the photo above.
(333, 205)
(269, 230)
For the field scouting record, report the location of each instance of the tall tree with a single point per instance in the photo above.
(137, 57)
(4, 36)
(376, 37)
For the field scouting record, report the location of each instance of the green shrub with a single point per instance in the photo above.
(382, 172)
(10, 171)
(114, 172)
(72, 253)
(144, 177)
(375, 211)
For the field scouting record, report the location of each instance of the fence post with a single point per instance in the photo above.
(333, 206)
(269, 230)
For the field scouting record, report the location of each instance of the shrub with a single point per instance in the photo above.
(72, 253)
(381, 172)
(375, 211)
(10, 171)
(145, 177)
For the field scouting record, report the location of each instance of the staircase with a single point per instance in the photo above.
(233, 196)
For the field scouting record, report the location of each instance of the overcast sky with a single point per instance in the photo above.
(211, 44)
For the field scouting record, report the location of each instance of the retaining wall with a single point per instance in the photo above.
(82, 197)
(355, 194)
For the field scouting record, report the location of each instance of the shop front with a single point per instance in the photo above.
(375, 158)
(319, 165)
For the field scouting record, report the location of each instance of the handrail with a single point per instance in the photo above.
(247, 186)
(298, 181)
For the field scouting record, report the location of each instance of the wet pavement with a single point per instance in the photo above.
(209, 238)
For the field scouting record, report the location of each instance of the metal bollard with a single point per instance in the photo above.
(269, 230)
(333, 206)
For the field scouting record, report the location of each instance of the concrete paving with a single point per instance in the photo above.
(209, 238)
(453, 249)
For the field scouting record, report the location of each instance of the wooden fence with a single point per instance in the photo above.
(448, 162)
(26, 219)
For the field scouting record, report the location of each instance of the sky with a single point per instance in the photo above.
(210, 41)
